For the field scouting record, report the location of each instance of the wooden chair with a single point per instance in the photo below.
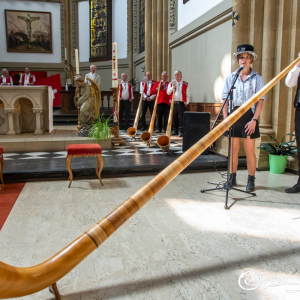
(84, 150)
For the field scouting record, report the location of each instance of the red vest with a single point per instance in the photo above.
(183, 90)
(23, 79)
(8, 80)
(145, 89)
(163, 97)
(130, 89)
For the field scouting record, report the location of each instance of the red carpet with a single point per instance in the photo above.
(8, 196)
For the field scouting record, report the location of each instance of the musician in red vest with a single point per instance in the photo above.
(5, 79)
(148, 98)
(163, 103)
(126, 97)
(26, 78)
(181, 100)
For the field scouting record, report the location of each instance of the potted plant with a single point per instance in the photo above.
(100, 130)
(278, 153)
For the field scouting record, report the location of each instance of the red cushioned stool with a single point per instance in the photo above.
(1, 165)
(80, 150)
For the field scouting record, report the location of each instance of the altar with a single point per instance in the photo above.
(26, 109)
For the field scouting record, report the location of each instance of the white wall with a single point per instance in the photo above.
(119, 28)
(204, 63)
(193, 9)
(54, 8)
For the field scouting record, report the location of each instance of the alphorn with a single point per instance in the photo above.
(146, 136)
(164, 140)
(18, 282)
(131, 131)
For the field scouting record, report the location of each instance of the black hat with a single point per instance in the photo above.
(245, 48)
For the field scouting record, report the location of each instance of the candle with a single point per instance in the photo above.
(66, 57)
(77, 61)
(114, 65)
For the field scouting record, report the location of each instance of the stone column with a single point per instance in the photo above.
(166, 36)
(148, 35)
(154, 40)
(16, 117)
(38, 129)
(267, 72)
(241, 31)
(159, 38)
(130, 38)
(10, 113)
(67, 28)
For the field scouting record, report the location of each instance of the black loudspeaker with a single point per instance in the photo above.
(195, 126)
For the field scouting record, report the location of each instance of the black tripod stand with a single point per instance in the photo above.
(227, 186)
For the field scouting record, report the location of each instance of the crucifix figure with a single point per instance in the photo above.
(28, 20)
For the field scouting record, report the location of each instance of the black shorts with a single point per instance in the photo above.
(238, 128)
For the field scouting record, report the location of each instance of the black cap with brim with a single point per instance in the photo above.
(245, 48)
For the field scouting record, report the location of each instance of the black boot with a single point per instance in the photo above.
(232, 181)
(250, 184)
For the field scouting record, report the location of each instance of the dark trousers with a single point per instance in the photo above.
(297, 133)
(145, 105)
(179, 109)
(125, 106)
(163, 110)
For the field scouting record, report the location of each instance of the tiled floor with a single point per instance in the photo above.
(133, 158)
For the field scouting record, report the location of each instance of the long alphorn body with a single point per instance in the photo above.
(18, 282)
(146, 136)
(131, 131)
(164, 140)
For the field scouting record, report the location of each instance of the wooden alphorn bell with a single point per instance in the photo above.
(164, 140)
(20, 281)
(131, 131)
(146, 136)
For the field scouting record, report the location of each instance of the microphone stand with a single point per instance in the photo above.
(227, 186)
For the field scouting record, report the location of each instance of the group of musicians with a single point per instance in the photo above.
(247, 84)
(25, 79)
(149, 89)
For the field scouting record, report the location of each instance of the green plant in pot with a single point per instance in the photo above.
(278, 153)
(100, 130)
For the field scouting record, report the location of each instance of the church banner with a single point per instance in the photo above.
(55, 83)
(28, 31)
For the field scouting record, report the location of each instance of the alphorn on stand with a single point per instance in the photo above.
(131, 131)
(116, 139)
(146, 136)
(164, 140)
(20, 281)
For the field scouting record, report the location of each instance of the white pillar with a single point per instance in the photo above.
(38, 129)
(10, 113)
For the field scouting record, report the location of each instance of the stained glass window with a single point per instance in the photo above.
(100, 34)
(142, 26)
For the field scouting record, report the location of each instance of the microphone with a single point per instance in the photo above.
(239, 69)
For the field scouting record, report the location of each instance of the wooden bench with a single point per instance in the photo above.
(84, 150)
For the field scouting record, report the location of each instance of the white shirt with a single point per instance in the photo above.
(125, 91)
(4, 80)
(96, 77)
(292, 77)
(149, 86)
(178, 92)
(26, 80)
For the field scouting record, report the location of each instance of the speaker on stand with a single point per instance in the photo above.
(195, 126)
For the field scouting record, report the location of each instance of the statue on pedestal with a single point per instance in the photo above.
(89, 99)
